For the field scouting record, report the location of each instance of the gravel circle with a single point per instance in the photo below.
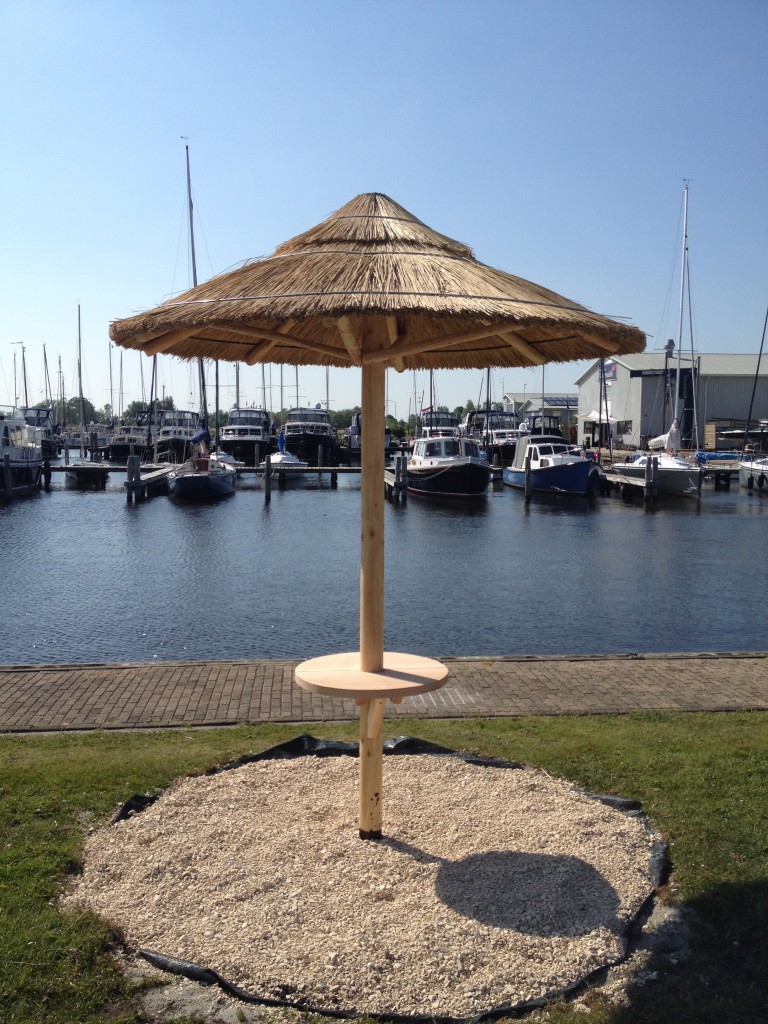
(492, 886)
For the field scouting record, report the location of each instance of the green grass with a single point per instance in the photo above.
(701, 779)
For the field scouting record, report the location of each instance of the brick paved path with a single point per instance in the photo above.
(60, 697)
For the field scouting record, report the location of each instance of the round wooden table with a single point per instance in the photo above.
(340, 675)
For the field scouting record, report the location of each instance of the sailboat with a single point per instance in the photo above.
(283, 459)
(662, 465)
(200, 478)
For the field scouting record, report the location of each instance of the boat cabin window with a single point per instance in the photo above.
(432, 449)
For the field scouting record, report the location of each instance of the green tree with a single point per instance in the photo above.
(70, 413)
(341, 418)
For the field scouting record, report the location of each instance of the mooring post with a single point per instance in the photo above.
(268, 479)
(650, 472)
(7, 475)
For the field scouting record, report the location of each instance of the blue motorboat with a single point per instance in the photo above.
(552, 466)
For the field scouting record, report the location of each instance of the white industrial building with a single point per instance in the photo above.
(715, 395)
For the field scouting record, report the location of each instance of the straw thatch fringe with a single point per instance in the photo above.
(372, 258)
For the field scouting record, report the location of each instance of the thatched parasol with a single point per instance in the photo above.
(372, 286)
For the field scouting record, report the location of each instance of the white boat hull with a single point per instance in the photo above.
(669, 475)
(754, 475)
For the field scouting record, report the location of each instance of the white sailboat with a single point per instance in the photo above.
(662, 465)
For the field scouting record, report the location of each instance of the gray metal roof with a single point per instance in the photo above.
(710, 364)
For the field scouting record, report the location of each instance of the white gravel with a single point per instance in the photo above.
(492, 885)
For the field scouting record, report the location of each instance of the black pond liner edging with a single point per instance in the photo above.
(305, 745)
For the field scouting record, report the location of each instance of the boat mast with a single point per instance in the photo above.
(542, 401)
(153, 418)
(23, 376)
(216, 419)
(111, 390)
(200, 364)
(746, 440)
(487, 407)
(61, 398)
(80, 384)
(683, 268)
(120, 396)
(48, 392)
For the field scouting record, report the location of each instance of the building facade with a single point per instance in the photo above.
(712, 394)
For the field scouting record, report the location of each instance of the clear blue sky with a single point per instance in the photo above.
(552, 136)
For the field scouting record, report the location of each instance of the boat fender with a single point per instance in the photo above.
(750, 482)
(761, 480)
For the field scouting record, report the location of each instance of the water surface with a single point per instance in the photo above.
(89, 578)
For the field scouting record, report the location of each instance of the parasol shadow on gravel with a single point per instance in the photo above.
(374, 287)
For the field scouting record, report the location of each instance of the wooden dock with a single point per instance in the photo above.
(627, 485)
(396, 479)
(140, 485)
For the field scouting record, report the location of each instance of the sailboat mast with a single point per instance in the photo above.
(111, 389)
(191, 222)
(62, 400)
(48, 393)
(190, 213)
(542, 401)
(683, 267)
(24, 376)
(216, 414)
(80, 384)
(488, 406)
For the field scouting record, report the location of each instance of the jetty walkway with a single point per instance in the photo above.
(55, 698)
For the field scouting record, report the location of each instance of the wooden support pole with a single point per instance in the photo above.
(7, 474)
(371, 768)
(268, 479)
(372, 523)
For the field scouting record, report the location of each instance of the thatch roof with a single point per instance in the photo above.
(441, 307)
